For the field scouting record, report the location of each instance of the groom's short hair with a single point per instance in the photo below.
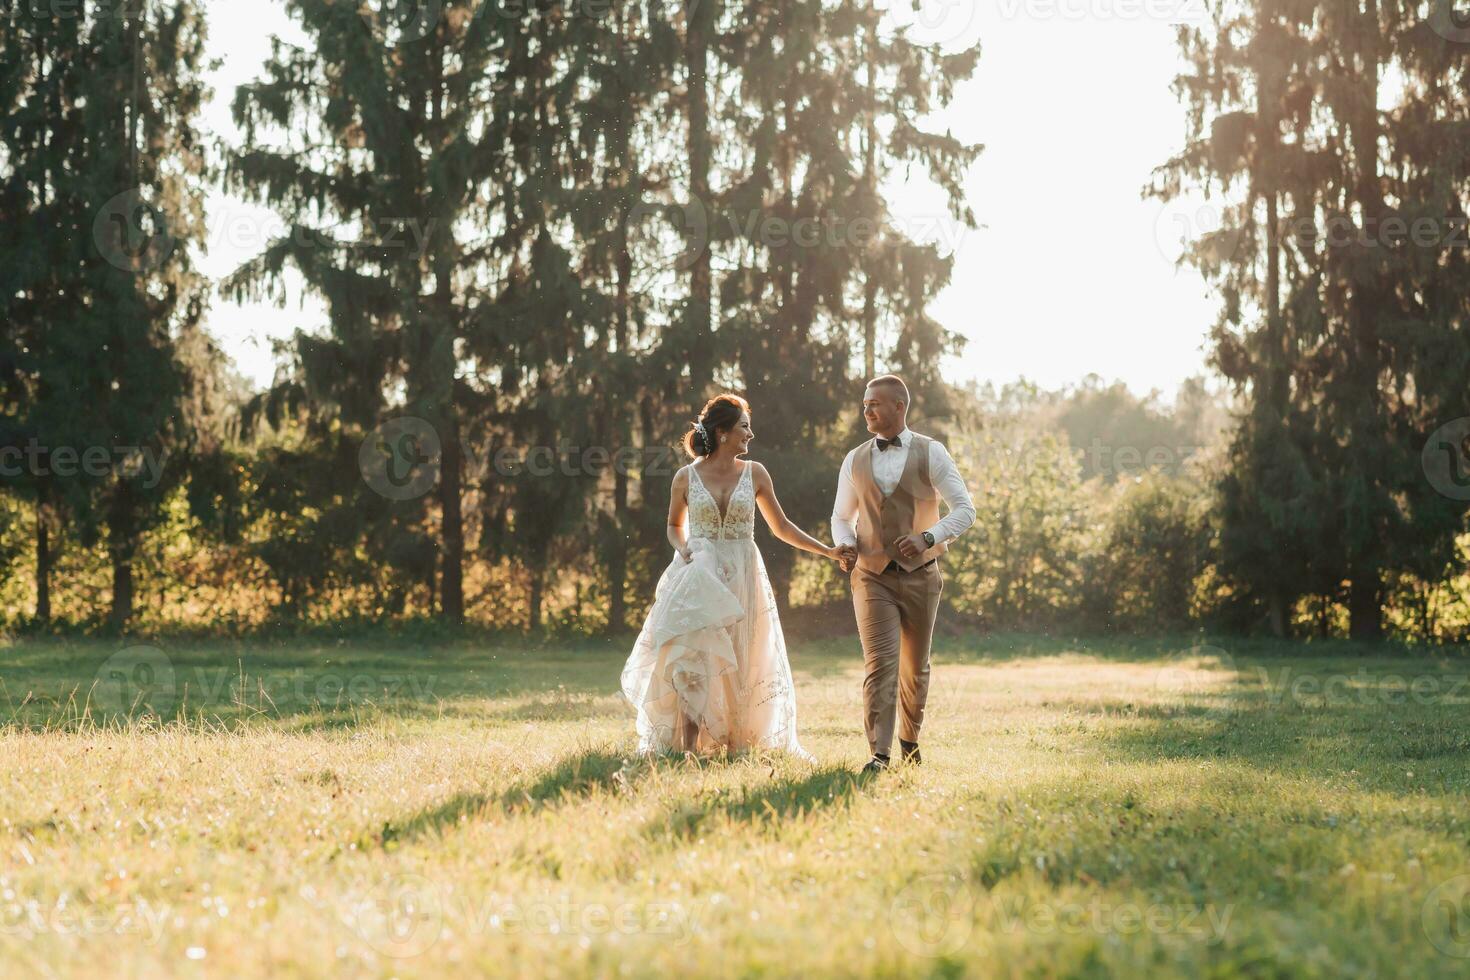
(892, 381)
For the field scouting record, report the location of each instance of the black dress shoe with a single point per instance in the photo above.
(875, 765)
(910, 752)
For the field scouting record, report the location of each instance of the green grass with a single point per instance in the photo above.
(1086, 808)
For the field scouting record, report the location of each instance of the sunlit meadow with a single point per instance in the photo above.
(380, 809)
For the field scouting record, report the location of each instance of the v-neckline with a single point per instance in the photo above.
(722, 511)
(910, 464)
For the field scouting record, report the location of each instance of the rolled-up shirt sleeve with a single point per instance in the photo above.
(951, 486)
(845, 507)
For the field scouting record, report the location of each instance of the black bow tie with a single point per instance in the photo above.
(885, 443)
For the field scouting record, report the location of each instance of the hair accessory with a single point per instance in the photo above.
(704, 433)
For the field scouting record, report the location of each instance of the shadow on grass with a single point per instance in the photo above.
(61, 687)
(1002, 647)
(597, 770)
(769, 803)
(1372, 730)
(572, 777)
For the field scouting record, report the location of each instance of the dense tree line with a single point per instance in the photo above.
(1336, 133)
(543, 234)
(535, 229)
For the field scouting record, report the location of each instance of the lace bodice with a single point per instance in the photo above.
(704, 510)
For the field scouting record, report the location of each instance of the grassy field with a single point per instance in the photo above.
(1085, 809)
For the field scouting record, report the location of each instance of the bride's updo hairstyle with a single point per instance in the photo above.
(721, 414)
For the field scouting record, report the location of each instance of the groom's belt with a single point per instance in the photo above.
(894, 566)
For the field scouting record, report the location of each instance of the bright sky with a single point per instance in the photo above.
(1072, 273)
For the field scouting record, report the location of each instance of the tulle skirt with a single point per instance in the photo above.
(709, 670)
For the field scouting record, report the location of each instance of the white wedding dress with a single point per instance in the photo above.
(709, 670)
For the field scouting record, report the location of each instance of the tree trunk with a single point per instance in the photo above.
(617, 571)
(122, 592)
(1365, 599)
(451, 480)
(43, 528)
(122, 541)
(121, 547)
(870, 182)
(1365, 604)
(696, 41)
(442, 374)
(1278, 603)
(43, 565)
(537, 589)
(617, 564)
(1276, 613)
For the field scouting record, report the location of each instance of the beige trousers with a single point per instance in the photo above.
(895, 616)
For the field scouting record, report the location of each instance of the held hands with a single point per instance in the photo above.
(845, 555)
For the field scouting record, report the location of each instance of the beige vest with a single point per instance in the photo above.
(912, 508)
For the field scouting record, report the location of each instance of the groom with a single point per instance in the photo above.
(886, 520)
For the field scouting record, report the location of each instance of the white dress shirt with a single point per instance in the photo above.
(888, 467)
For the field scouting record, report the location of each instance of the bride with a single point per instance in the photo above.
(709, 670)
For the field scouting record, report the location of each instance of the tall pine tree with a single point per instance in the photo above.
(1345, 331)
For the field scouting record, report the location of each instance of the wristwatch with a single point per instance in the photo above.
(928, 538)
